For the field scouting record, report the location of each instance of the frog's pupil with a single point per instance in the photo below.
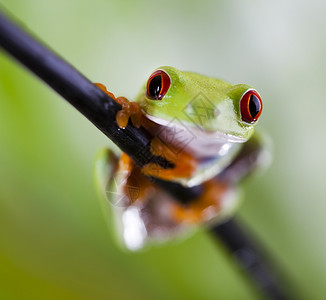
(154, 87)
(254, 106)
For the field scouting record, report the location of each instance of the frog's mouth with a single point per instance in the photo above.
(197, 132)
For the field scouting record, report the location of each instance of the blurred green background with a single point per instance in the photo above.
(54, 243)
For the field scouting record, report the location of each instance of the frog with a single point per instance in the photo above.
(205, 128)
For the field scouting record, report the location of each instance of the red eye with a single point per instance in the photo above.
(250, 106)
(157, 85)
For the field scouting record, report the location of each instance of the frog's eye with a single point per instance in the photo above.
(250, 106)
(157, 85)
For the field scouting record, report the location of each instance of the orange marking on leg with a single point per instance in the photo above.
(179, 171)
(135, 114)
(126, 163)
(203, 208)
(103, 88)
(184, 163)
(136, 187)
(122, 118)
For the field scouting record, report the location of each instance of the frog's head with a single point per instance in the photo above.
(198, 101)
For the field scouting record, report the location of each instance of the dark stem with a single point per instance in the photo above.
(88, 99)
(101, 110)
(244, 251)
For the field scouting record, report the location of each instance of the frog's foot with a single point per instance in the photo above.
(129, 109)
(208, 206)
(137, 186)
(184, 164)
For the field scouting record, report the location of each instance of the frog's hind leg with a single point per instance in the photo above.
(117, 179)
(140, 211)
(220, 195)
(111, 174)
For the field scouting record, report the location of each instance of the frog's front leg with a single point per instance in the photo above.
(129, 109)
(184, 164)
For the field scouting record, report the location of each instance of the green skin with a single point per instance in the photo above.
(185, 87)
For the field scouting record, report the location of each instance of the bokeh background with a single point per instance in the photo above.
(54, 242)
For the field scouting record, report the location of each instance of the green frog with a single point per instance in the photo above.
(205, 127)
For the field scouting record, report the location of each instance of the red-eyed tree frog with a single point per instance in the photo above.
(205, 127)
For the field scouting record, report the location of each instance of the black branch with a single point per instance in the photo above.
(101, 110)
